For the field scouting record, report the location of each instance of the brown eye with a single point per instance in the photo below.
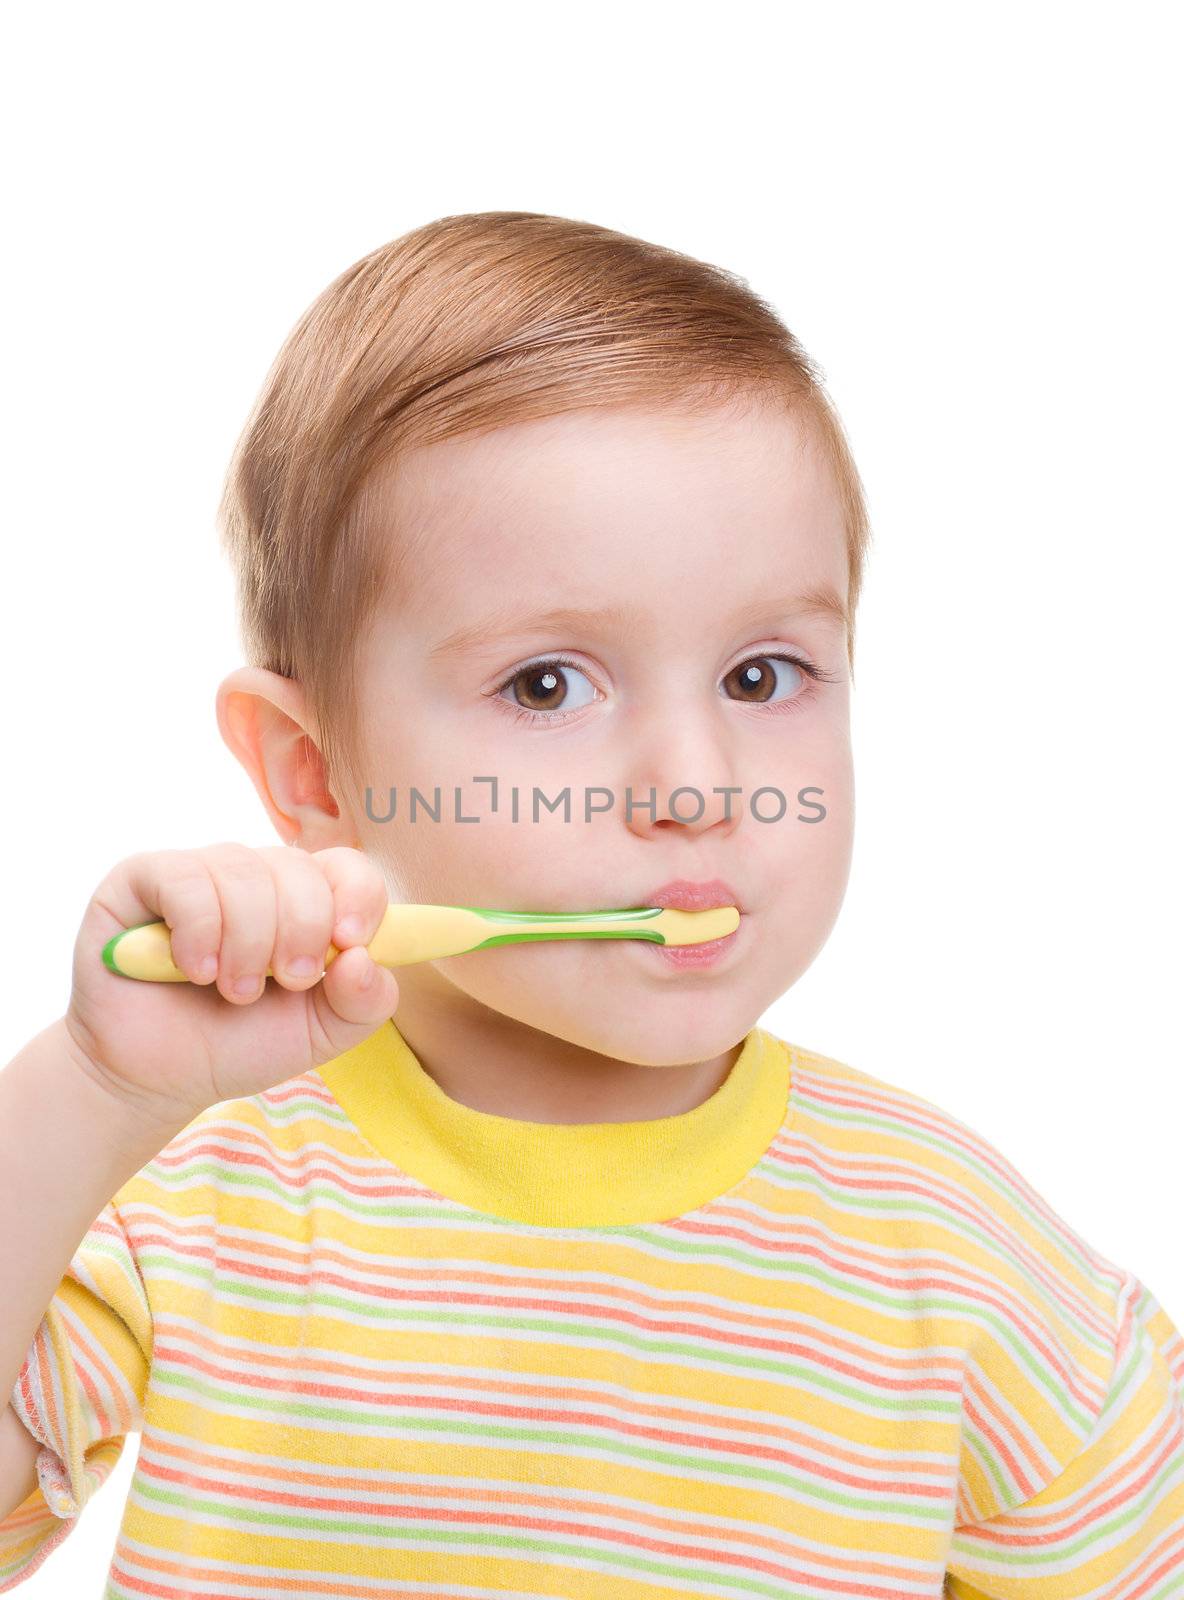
(756, 679)
(543, 687)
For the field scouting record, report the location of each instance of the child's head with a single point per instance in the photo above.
(527, 500)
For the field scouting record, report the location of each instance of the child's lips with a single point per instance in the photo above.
(681, 894)
(705, 954)
(698, 955)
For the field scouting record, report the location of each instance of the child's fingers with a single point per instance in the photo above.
(304, 916)
(359, 894)
(174, 886)
(246, 891)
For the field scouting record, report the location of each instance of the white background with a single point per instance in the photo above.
(968, 216)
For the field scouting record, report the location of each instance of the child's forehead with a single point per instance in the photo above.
(593, 481)
(644, 514)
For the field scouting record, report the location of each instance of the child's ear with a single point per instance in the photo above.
(265, 723)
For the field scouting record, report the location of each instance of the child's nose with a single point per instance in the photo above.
(682, 769)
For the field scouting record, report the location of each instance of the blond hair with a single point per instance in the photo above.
(469, 323)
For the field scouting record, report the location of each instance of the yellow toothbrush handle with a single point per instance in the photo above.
(405, 934)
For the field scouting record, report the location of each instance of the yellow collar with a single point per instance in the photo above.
(562, 1175)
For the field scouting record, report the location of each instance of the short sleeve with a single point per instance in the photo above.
(1111, 1521)
(80, 1390)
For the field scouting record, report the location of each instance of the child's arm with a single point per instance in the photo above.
(100, 1092)
(66, 1146)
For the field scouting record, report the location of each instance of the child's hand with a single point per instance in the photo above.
(172, 1049)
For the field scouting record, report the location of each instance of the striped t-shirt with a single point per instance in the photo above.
(813, 1339)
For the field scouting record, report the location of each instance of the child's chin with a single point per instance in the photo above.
(668, 1029)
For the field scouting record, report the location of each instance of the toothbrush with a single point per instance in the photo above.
(410, 933)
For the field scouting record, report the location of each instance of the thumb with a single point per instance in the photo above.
(354, 997)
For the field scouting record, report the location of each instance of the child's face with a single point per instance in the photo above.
(700, 531)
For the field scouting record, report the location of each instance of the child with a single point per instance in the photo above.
(544, 1270)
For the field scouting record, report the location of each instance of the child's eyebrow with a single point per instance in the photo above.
(507, 621)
